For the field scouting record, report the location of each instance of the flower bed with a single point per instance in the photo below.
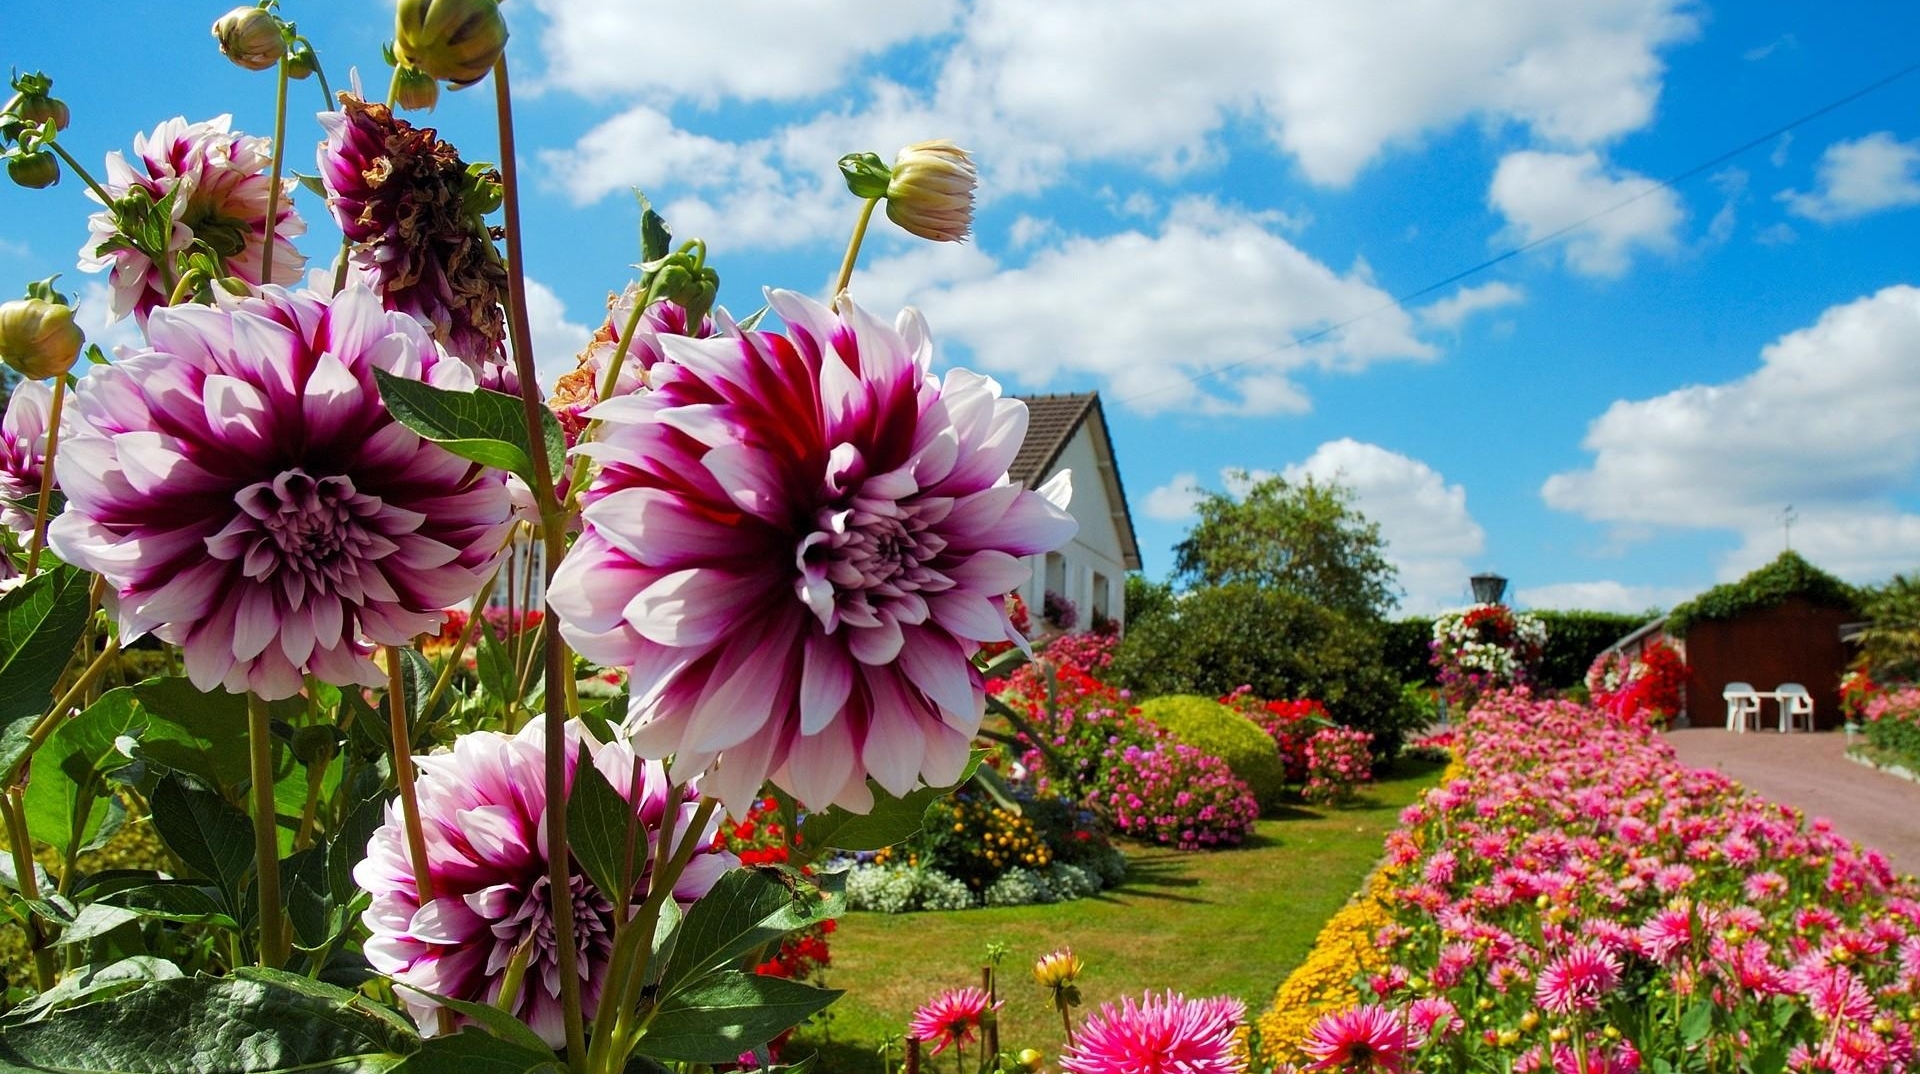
(1581, 901)
(1892, 721)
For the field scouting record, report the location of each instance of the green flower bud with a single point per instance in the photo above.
(250, 37)
(301, 62)
(31, 106)
(931, 191)
(454, 40)
(37, 170)
(413, 91)
(38, 337)
(867, 176)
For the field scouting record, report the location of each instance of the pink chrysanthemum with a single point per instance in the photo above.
(220, 183)
(1576, 980)
(413, 213)
(23, 450)
(1167, 1034)
(1360, 1039)
(1434, 1019)
(483, 810)
(951, 1018)
(797, 542)
(246, 495)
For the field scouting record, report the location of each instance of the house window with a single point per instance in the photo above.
(1100, 599)
(1056, 573)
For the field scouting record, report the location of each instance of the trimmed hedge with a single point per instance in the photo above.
(1213, 728)
(1787, 576)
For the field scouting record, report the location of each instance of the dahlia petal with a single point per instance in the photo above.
(750, 476)
(895, 745)
(818, 765)
(254, 622)
(826, 681)
(932, 662)
(990, 571)
(1034, 524)
(876, 645)
(964, 613)
(948, 751)
(692, 608)
(324, 402)
(237, 412)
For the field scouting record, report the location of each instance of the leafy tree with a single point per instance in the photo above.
(1304, 538)
(1891, 643)
(1147, 599)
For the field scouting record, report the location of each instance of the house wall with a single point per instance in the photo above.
(1790, 642)
(1094, 555)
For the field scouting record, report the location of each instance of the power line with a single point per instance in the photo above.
(1400, 300)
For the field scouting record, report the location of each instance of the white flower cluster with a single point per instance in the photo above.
(1463, 638)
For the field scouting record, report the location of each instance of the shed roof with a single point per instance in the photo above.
(1052, 420)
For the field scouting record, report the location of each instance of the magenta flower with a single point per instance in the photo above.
(23, 450)
(220, 183)
(1165, 1034)
(1575, 981)
(950, 1018)
(406, 202)
(1361, 1040)
(482, 809)
(244, 492)
(797, 542)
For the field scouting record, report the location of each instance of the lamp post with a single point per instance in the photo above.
(1488, 588)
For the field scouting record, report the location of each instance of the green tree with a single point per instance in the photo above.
(1891, 643)
(1304, 538)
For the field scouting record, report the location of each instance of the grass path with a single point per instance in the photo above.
(1205, 923)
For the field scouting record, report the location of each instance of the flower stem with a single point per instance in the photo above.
(43, 730)
(21, 846)
(274, 944)
(552, 532)
(273, 180)
(99, 191)
(639, 937)
(853, 248)
(46, 476)
(404, 775)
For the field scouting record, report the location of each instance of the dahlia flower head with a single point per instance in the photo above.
(950, 1019)
(579, 389)
(797, 542)
(244, 492)
(1164, 1034)
(23, 451)
(1368, 1038)
(220, 182)
(407, 204)
(483, 815)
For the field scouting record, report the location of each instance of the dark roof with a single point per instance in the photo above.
(1051, 422)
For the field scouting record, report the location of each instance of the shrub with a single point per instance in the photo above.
(1893, 724)
(1177, 796)
(1338, 762)
(1288, 723)
(1213, 728)
(1572, 640)
(1277, 643)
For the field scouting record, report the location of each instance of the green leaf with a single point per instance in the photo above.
(747, 908)
(888, 822)
(254, 1022)
(66, 776)
(656, 240)
(603, 720)
(175, 900)
(720, 1016)
(597, 822)
(1696, 1023)
(94, 921)
(474, 1052)
(91, 983)
(417, 678)
(39, 624)
(308, 897)
(492, 1019)
(489, 428)
(201, 734)
(349, 846)
(208, 835)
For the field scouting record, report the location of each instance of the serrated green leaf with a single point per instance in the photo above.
(66, 776)
(349, 846)
(175, 900)
(207, 834)
(597, 822)
(719, 1016)
(95, 920)
(39, 624)
(1696, 1023)
(888, 822)
(482, 426)
(603, 720)
(656, 239)
(745, 909)
(201, 734)
(308, 897)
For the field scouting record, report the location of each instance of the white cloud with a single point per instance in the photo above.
(1602, 596)
(1429, 533)
(90, 311)
(1175, 500)
(1451, 312)
(1860, 177)
(557, 342)
(1155, 317)
(1541, 193)
(725, 48)
(1825, 424)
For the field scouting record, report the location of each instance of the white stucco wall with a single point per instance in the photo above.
(1095, 550)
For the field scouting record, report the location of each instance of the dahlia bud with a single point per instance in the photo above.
(455, 40)
(37, 170)
(250, 37)
(301, 62)
(931, 191)
(31, 106)
(866, 174)
(1057, 970)
(38, 337)
(413, 90)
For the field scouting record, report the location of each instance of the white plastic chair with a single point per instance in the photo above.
(1795, 703)
(1743, 704)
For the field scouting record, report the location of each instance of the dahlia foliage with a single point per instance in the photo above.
(427, 683)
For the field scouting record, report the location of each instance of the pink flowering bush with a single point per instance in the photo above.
(1892, 722)
(1177, 796)
(1584, 902)
(1339, 761)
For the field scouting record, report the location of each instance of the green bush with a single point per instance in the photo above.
(1575, 638)
(1407, 647)
(1282, 645)
(1210, 727)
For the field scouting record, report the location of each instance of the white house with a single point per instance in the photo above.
(1069, 432)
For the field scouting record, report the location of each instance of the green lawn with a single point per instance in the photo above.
(1228, 921)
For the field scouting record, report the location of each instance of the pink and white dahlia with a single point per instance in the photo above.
(219, 182)
(483, 814)
(247, 496)
(952, 1018)
(23, 451)
(1576, 981)
(413, 214)
(1165, 1034)
(1360, 1040)
(796, 542)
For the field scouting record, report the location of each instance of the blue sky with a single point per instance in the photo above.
(1174, 193)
